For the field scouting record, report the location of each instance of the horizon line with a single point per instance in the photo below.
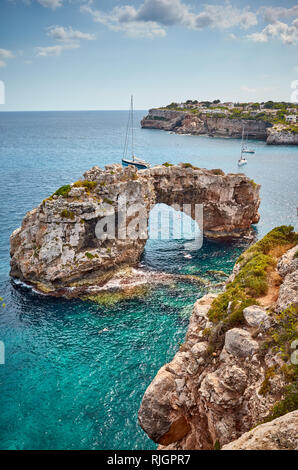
(62, 110)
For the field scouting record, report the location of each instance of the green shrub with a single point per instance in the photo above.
(217, 445)
(265, 387)
(67, 214)
(88, 185)
(189, 165)
(107, 201)
(217, 171)
(63, 191)
(253, 183)
(227, 308)
(167, 164)
(282, 235)
(286, 405)
(284, 332)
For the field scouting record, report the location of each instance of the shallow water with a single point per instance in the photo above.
(67, 384)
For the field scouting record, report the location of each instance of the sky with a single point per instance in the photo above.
(93, 54)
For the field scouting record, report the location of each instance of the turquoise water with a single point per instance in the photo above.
(67, 384)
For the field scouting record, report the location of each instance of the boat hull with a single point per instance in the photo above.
(138, 165)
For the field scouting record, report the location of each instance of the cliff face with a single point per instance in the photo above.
(281, 137)
(279, 434)
(57, 248)
(182, 122)
(234, 369)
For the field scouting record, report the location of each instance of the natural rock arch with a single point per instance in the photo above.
(56, 247)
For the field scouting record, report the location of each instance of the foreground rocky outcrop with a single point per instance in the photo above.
(279, 136)
(235, 369)
(182, 122)
(279, 434)
(58, 251)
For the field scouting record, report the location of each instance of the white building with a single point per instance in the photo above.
(291, 118)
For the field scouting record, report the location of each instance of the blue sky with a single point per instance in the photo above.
(80, 54)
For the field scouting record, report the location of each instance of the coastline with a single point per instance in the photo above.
(234, 370)
(183, 122)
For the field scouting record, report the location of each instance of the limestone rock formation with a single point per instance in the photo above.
(239, 343)
(228, 375)
(183, 122)
(257, 316)
(57, 246)
(279, 434)
(278, 136)
(288, 269)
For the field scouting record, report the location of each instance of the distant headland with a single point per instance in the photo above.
(275, 122)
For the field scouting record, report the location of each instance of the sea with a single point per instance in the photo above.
(75, 372)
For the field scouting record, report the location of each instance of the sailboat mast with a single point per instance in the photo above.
(242, 141)
(132, 136)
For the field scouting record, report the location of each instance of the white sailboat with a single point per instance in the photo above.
(129, 138)
(245, 148)
(242, 161)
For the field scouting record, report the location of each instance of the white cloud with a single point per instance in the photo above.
(67, 37)
(258, 37)
(288, 34)
(118, 21)
(68, 34)
(224, 17)
(51, 3)
(152, 16)
(45, 3)
(272, 14)
(54, 50)
(165, 12)
(259, 91)
(248, 89)
(4, 55)
(232, 36)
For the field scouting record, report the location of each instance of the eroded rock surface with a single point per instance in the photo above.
(224, 391)
(57, 246)
(182, 122)
(187, 123)
(288, 269)
(279, 434)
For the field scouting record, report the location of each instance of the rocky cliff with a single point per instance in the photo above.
(279, 136)
(236, 368)
(57, 248)
(279, 434)
(183, 122)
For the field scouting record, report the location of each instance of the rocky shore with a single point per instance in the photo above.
(182, 122)
(236, 369)
(57, 249)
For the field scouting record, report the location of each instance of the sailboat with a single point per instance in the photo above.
(242, 161)
(129, 139)
(245, 148)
